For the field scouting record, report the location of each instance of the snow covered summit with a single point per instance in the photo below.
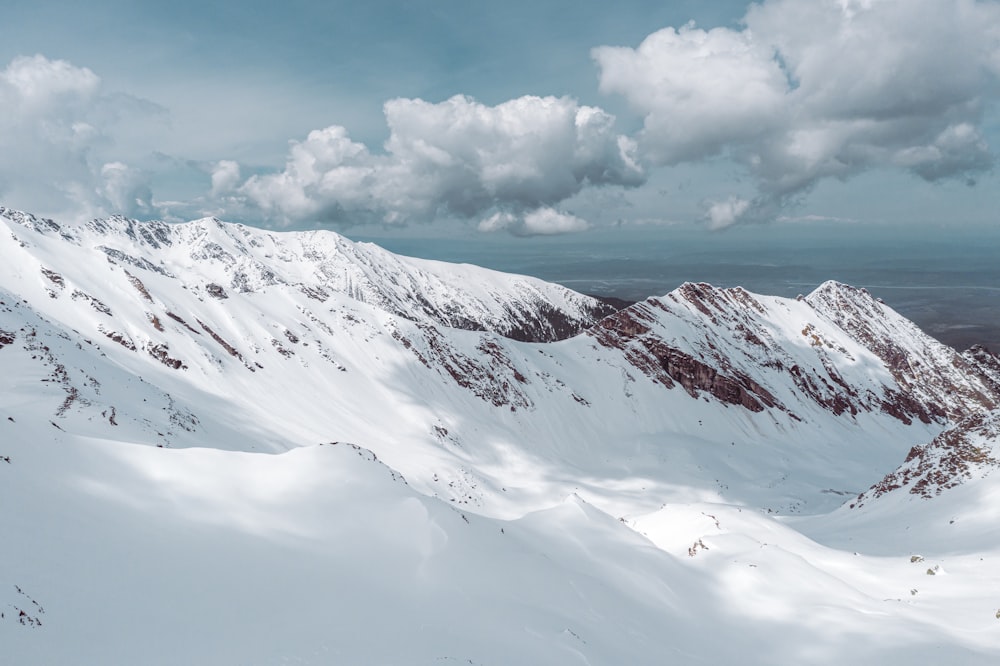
(234, 257)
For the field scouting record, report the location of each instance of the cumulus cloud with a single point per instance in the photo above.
(56, 135)
(543, 221)
(698, 90)
(722, 214)
(813, 89)
(225, 177)
(38, 83)
(458, 157)
(125, 189)
(499, 221)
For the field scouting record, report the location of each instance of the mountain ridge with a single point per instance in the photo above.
(248, 259)
(647, 467)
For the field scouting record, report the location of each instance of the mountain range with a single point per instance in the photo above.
(226, 445)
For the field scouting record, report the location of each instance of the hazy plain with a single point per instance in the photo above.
(947, 280)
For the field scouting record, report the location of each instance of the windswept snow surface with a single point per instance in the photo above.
(220, 445)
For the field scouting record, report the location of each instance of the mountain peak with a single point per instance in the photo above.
(320, 263)
(823, 350)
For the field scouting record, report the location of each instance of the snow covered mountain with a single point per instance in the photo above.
(220, 444)
(963, 453)
(773, 353)
(318, 263)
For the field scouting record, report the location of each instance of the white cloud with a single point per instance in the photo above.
(225, 177)
(722, 214)
(57, 131)
(810, 218)
(543, 221)
(36, 83)
(698, 90)
(812, 89)
(547, 221)
(125, 190)
(799, 92)
(457, 157)
(499, 221)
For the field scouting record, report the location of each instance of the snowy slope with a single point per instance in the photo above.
(232, 257)
(964, 453)
(224, 445)
(838, 348)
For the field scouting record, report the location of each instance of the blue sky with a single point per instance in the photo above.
(527, 118)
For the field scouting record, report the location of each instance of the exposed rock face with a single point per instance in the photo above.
(737, 389)
(487, 372)
(668, 365)
(959, 454)
(934, 380)
(542, 322)
(986, 364)
(839, 349)
(216, 291)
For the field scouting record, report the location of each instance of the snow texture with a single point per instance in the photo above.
(230, 446)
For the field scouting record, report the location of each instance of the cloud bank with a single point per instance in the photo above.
(456, 158)
(814, 89)
(57, 130)
(539, 222)
(800, 92)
